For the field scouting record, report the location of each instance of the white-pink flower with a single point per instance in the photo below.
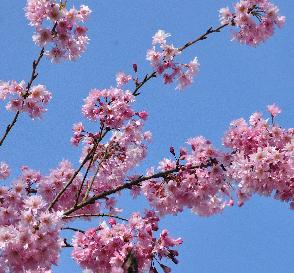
(4, 170)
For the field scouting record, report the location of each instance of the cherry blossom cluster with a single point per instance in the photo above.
(49, 186)
(110, 106)
(67, 38)
(122, 78)
(125, 147)
(32, 102)
(197, 180)
(263, 158)
(162, 60)
(4, 170)
(256, 20)
(29, 234)
(116, 247)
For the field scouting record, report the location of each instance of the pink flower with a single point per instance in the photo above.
(163, 62)
(122, 79)
(160, 37)
(34, 103)
(274, 110)
(4, 170)
(69, 38)
(256, 20)
(106, 248)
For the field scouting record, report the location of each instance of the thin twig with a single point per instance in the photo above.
(203, 36)
(34, 75)
(85, 176)
(73, 229)
(66, 244)
(94, 215)
(94, 176)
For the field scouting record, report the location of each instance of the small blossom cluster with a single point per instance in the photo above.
(116, 247)
(4, 170)
(196, 180)
(49, 186)
(122, 79)
(32, 102)
(29, 234)
(256, 20)
(262, 161)
(68, 37)
(110, 106)
(163, 62)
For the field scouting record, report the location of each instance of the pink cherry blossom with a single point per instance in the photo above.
(122, 79)
(110, 106)
(67, 38)
(256, 20)
(199, 184)
(32, 102)
(262, 161)
(110, 248)
(163, 61)
(4, 170)
(274, 110)
(29, 236)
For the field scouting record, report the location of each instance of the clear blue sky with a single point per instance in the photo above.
(234, 81)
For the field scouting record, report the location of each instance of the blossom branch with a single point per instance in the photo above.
(34, 75)
(182, 48)
(135, 182)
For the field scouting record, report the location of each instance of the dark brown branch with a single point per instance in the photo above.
(203, 36)
(85, 176)
(66, 244)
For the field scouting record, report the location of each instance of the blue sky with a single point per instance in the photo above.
(234, 81)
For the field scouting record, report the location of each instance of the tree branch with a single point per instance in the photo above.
(133, 183)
